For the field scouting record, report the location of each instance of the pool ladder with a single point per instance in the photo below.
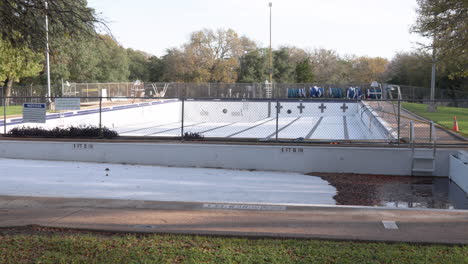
(423, 160)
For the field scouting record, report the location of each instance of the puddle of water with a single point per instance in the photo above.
(397, 191)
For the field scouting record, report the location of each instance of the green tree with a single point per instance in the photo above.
(414, 69)
(15, 63)
(27, 17)
(283, 69)
(329, 67)
(367, 70)
(139, 65)
(304, 72)
(113, 61)
(88, 59)
(74, 59)
(445, 22)
(254, 66)
(156, 68)
(410, 68)
(209, 56)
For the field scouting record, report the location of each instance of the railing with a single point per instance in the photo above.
(305, 120)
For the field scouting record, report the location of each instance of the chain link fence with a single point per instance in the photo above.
(324, 120)
(239, 90)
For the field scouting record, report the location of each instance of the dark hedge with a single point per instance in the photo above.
(68, 132)
(194, 135)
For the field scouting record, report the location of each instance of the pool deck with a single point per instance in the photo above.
(282, 221)
(386, 111)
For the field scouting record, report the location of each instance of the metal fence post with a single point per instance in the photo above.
(100, 117)
(182, 119)
(431, 131)
(4, 115)
(277, 117)
(411, 139)
(399, 121)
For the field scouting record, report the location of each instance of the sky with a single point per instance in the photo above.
(360, 27)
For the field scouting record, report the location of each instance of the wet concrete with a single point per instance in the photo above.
(396, 191)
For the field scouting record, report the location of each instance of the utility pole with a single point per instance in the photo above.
(432, 107)
(271, 52)
(47, 51)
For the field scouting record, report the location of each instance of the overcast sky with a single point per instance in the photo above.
(360, 27)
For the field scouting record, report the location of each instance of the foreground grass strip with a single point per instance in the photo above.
(443, 116)
(96, 248)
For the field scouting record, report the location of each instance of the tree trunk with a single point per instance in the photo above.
(7, 90)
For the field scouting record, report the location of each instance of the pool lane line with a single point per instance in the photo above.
(242, 131)
(211, 129)
(167, 130)
(314, 128)
(279, 130)
(345, 127)
(148, 127)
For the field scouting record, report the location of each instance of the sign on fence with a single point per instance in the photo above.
(34, 113)
(67, 103)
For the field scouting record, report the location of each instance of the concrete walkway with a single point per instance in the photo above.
(296, 221)
(387, 111)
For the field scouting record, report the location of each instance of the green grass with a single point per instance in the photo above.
(92, 248)
(12, 110)
(443, 116)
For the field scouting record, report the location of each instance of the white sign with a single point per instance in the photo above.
(67, 103)
(34, 113)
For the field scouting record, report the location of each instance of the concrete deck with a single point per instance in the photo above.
(342, 223)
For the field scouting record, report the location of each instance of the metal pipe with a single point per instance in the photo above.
(47, 51)
(271, 51)
(182, 126)
(4, 115)
(411, 139)
(277, 118)
(399, 121)
(430, 131)
(100, 117)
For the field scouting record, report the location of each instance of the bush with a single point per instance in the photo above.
(69, 132)
(190, 135)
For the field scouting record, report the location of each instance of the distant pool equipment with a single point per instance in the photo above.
(316, 92)
(353, 93)
(335, 92)
(296, 92)
(375, 91)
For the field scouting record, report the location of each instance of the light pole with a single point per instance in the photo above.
(432, 106)
(271, 53)
(47, 51)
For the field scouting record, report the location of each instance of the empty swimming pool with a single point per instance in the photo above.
(298, 119)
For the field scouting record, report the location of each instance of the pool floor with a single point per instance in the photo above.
(134, 182)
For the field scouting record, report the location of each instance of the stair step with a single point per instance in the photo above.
(423, 157)
(423, 170)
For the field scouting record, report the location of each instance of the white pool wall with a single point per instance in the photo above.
(225, 111)
(388, 161)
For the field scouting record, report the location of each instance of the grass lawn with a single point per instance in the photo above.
(443, 116)
(12, 110)
(78, 247)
